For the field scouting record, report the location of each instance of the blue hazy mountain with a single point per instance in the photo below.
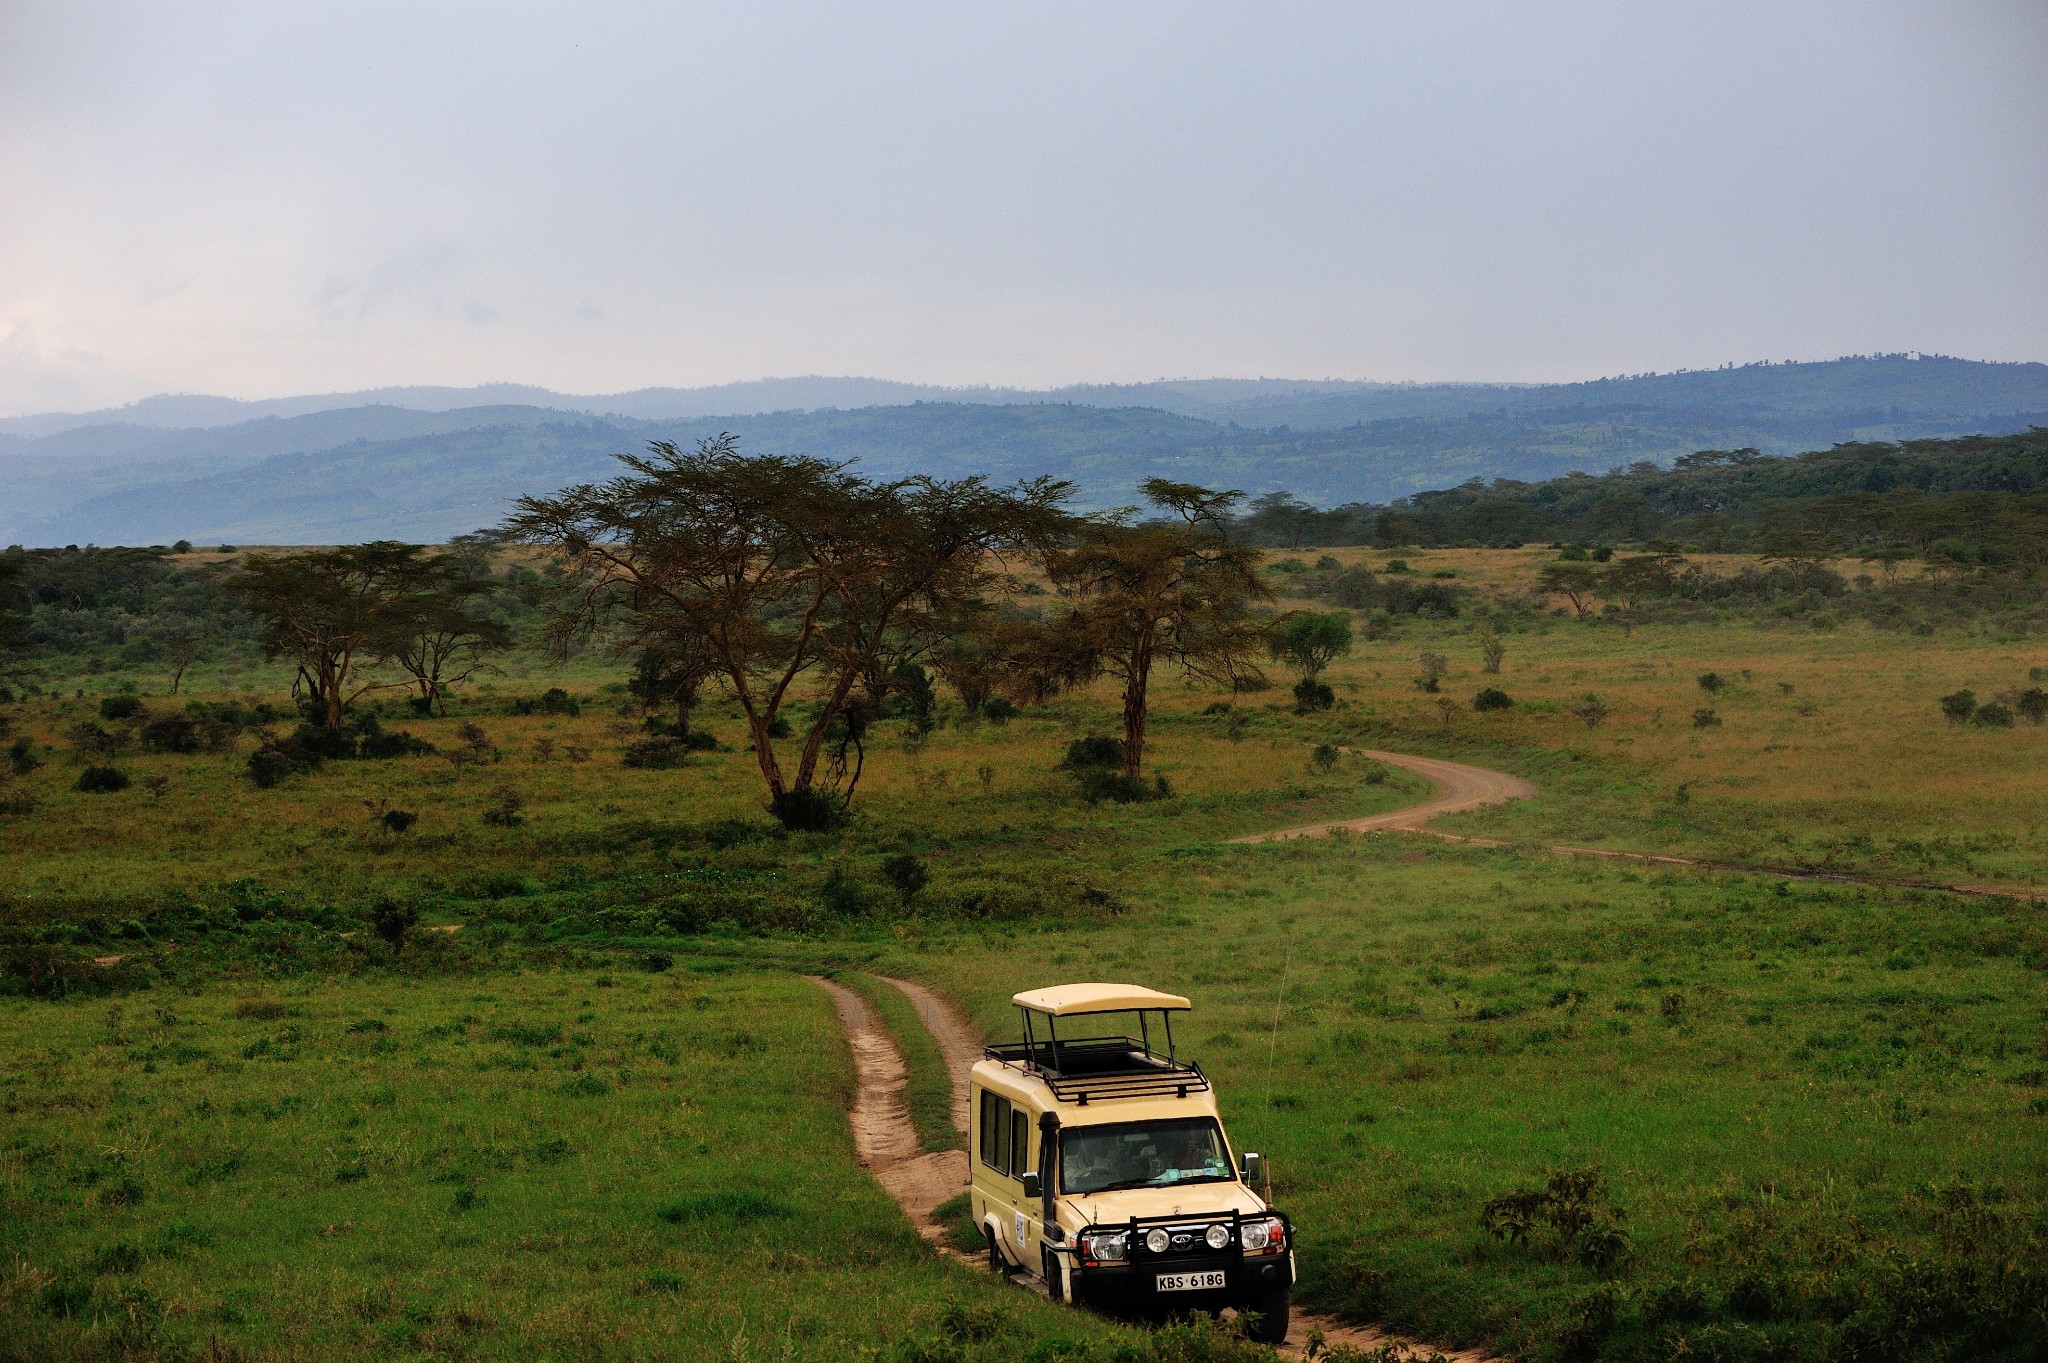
(424, 463)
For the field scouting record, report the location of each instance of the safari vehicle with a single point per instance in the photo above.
(1100, 1162)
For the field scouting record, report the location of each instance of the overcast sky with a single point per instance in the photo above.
(260, 199)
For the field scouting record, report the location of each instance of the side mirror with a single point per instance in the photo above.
(1254, 1166)
(1031, 1188)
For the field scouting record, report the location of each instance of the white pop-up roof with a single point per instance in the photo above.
(1065, 1000)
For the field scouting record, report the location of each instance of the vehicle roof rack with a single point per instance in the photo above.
(1101, 1069)
(1091, 1068)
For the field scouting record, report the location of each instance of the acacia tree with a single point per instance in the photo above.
(1575, 582)
(1309, 641)
(336, 613)
(783, 569)
(1176, 590)
(443, 641)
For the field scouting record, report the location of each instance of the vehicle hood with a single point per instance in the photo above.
(1195, 1201)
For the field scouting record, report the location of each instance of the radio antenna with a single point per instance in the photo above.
(1273, 1041)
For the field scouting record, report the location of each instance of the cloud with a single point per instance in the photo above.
(38, 376)
(414, 277)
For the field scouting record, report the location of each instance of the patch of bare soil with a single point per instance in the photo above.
(883, 1136)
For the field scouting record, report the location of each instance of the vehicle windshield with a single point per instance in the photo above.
(1098, 1159)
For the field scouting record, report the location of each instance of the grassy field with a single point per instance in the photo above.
(1817, 1114)
(526, 1164)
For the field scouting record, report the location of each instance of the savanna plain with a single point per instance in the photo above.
(535, 1074)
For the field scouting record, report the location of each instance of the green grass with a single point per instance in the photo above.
(1818, 1111)
(929, 1091)
(519, 1165)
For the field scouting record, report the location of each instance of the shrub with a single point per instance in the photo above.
(172, 734)
(1705, 718)
(998, 711)
(380, 745)
(1094, 751)
(659, 753)
(1993, 715)
(120, 707)
(397, 821)
(1325, 756)
(1712, 682)
(2032, 705)
(334, 744)
(102, 780)
(1493, 698)
(809, 810)
(504, 811)
(1120, 787)
(21, 756)
(1433, 665)
(1592, 711)
(553, 701)
(279, 758)
(1311, 696)
(778, 727)
(907, 872)
(1958, 706)
(392, 920)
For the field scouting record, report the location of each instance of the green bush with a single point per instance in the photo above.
(279, 758)
(1093, 752)
(1958, 706)
(120, 707)
(102, 780)
(1312, 696)
(809, 810)
(998, 711)
(1120, 787)
(1493, 698)
(659, 753)
(172, 734)
(1993, 715)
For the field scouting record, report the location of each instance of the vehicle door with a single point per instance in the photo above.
(1000, 1176)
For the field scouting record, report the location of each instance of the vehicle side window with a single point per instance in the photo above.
(1020, 1143)
(996, 1125)
(991, 1117)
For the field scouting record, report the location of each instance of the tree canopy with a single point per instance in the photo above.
(1175, 590)
(772, 569)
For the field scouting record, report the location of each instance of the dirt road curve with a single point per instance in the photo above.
(886, 1142)
(1459, 788)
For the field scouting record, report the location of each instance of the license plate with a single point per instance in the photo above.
(1189, 1282)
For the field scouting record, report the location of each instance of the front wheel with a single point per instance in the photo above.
(996, 1262)
(1271, 1309)
(1054, 1287)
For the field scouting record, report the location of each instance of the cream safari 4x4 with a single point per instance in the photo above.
(1100, 1162)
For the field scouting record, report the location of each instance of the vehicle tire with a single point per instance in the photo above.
(996, 1263)
(1055, 1287)
(1271, 1308)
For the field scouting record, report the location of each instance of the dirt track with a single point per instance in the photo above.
(1459, 788)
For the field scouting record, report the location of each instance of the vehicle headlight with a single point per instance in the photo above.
(1105, 1246)
(1266, 1235)
(1157, 1240)
(1218, 1237)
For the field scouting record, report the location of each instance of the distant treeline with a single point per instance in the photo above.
(1974, 500)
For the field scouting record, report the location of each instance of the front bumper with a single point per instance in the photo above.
(1134, 1286)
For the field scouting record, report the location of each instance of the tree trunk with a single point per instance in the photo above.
(1136, 682)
